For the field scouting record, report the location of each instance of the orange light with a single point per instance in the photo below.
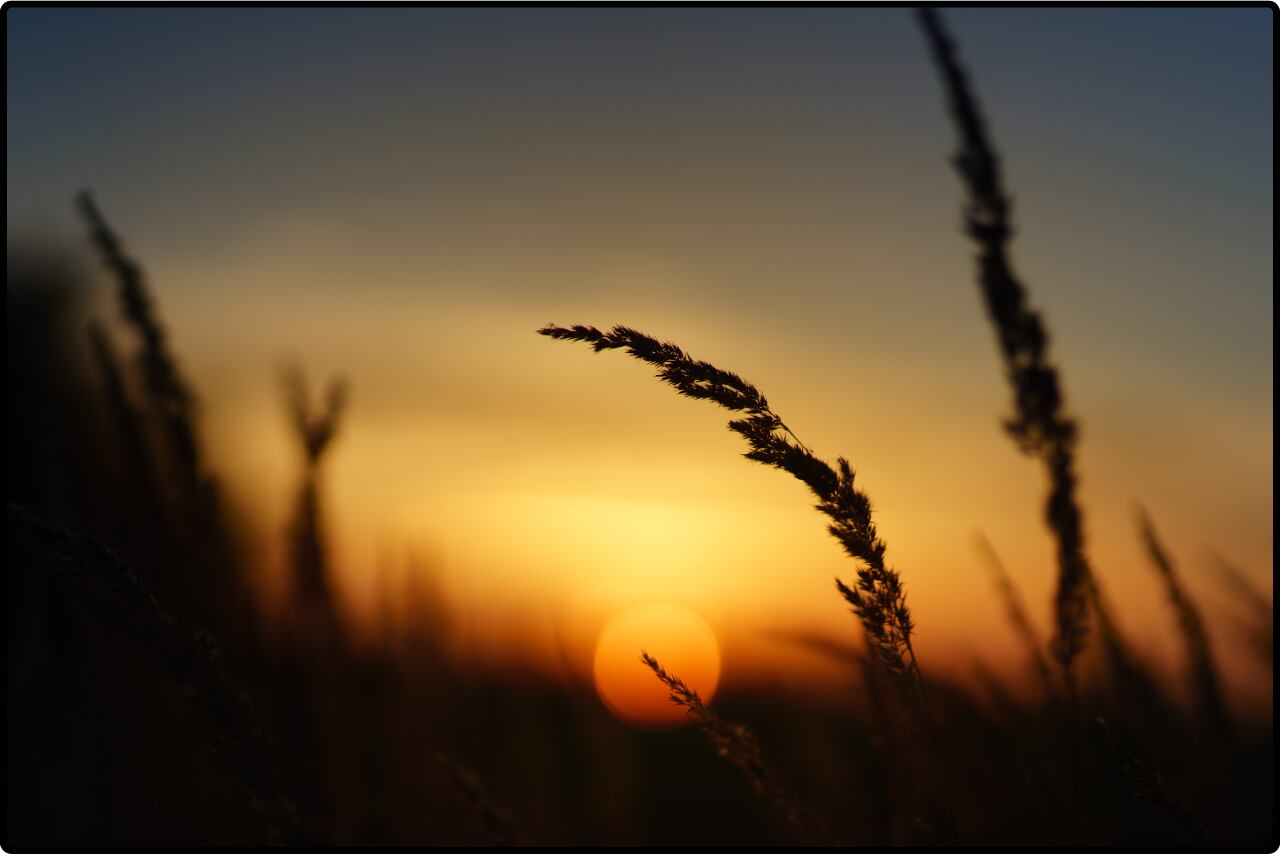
(679, 639)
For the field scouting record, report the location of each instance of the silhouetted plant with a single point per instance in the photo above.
(128, 424)
(209, 582)
(1127, 676)
(167, 390)
(1206, 692)
(1244, 589)
(1016, 611)
(1259, 627)
(739, 745)
(191, 658)
(1040, 424)
(877, 597)
(315, 431)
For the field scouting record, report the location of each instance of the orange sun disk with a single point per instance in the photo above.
(679, 639)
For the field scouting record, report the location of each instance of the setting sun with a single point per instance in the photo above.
(437, 410)
(676, 637)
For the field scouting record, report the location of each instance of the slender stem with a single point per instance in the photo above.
(933, 742)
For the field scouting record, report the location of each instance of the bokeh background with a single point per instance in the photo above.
(402, 196)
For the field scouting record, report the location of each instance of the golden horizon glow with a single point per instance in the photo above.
(679, 639)
(552, 488)
(555, 488)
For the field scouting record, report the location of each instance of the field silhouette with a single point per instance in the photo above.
(153, 699)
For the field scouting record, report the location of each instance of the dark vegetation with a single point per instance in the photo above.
(150, 701)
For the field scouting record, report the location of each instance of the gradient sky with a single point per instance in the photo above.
(404, 195)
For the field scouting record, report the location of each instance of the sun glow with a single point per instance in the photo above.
(676, 637)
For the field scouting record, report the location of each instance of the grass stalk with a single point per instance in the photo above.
(1016, 611)
(315, 431)
(739, 745)
(128, 424)
(877, 596)
(1040, 424)
(1205, 683)
(168, 391)
(191, 658)
(1258, 629)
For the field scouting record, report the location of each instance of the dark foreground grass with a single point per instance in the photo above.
(127, 725)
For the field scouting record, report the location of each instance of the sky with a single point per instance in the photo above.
(404, 195)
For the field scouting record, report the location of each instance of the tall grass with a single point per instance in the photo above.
(363, 731)
(1258, 627)
(315, 431)
(1040, 424)
(739, 745)
(1016, 612)
(188, 496)
(191, 658)
(877, 596)
(1238, 583)
(127, 421)
(167, 389)
(1128, 677)
(1205, 683)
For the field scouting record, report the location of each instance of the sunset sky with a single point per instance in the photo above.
(404, 195)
